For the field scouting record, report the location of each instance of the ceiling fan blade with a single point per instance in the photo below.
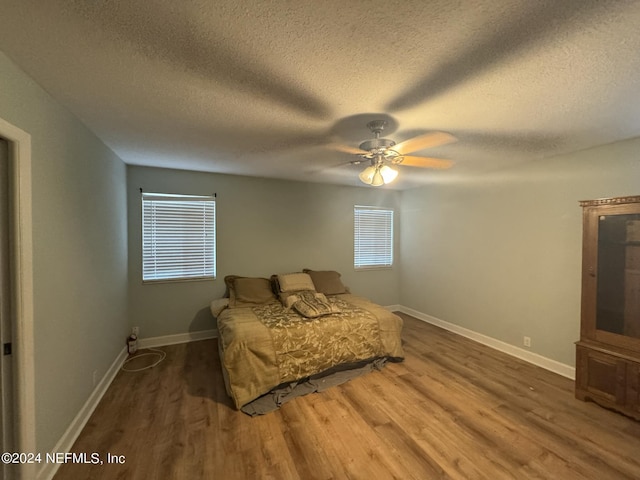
(355, 161)
(424, 162)
(431, 139)
(347, 149)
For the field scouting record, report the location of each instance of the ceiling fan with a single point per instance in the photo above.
(380, 152)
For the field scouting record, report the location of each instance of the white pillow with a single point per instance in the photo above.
(291, 282)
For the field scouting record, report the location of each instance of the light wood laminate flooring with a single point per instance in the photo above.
(453, 409)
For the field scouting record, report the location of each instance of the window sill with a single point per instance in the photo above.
(373, 267)
(177, 280)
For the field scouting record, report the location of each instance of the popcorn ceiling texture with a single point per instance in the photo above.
(258, 87)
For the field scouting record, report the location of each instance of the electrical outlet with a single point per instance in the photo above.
(95, 377)
(527, 341)
(135, 331)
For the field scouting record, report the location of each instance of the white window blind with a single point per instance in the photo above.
(178, 237)
(373, 237)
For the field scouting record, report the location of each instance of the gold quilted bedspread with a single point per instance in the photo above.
(267, 345)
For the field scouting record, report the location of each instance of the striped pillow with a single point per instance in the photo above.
(314, 305)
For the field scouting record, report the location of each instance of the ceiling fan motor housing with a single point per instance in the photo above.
(377, 145)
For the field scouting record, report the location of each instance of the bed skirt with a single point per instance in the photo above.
(316, 383)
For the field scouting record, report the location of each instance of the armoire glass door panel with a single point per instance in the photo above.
(618, 280)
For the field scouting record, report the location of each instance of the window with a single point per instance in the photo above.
(373, 237)
(178, 237)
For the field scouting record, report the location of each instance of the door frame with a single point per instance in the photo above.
(22, 257)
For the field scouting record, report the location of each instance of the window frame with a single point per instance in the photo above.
(208, 246)
(387, 256)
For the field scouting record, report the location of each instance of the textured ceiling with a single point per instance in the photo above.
(260, 87)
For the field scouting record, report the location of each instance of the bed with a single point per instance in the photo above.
(292, 334)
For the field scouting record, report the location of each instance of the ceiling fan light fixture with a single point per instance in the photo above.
(366, 176)
(388, 174)
(377, 179)
(377, 175)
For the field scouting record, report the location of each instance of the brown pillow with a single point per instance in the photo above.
(248, 291)
(327, 281)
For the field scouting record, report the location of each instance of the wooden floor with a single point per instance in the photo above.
(452, 409)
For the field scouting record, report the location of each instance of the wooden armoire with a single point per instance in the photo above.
(608, 353)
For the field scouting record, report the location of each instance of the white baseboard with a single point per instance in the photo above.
(177, 338)
(69, 437)
(544, 362)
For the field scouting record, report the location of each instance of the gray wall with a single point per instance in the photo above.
(79, 252)
(264, 227)
(502, 255)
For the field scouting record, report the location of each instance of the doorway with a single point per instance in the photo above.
(7, 435)
(18, 371)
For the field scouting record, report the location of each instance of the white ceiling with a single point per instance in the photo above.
(259, 87)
